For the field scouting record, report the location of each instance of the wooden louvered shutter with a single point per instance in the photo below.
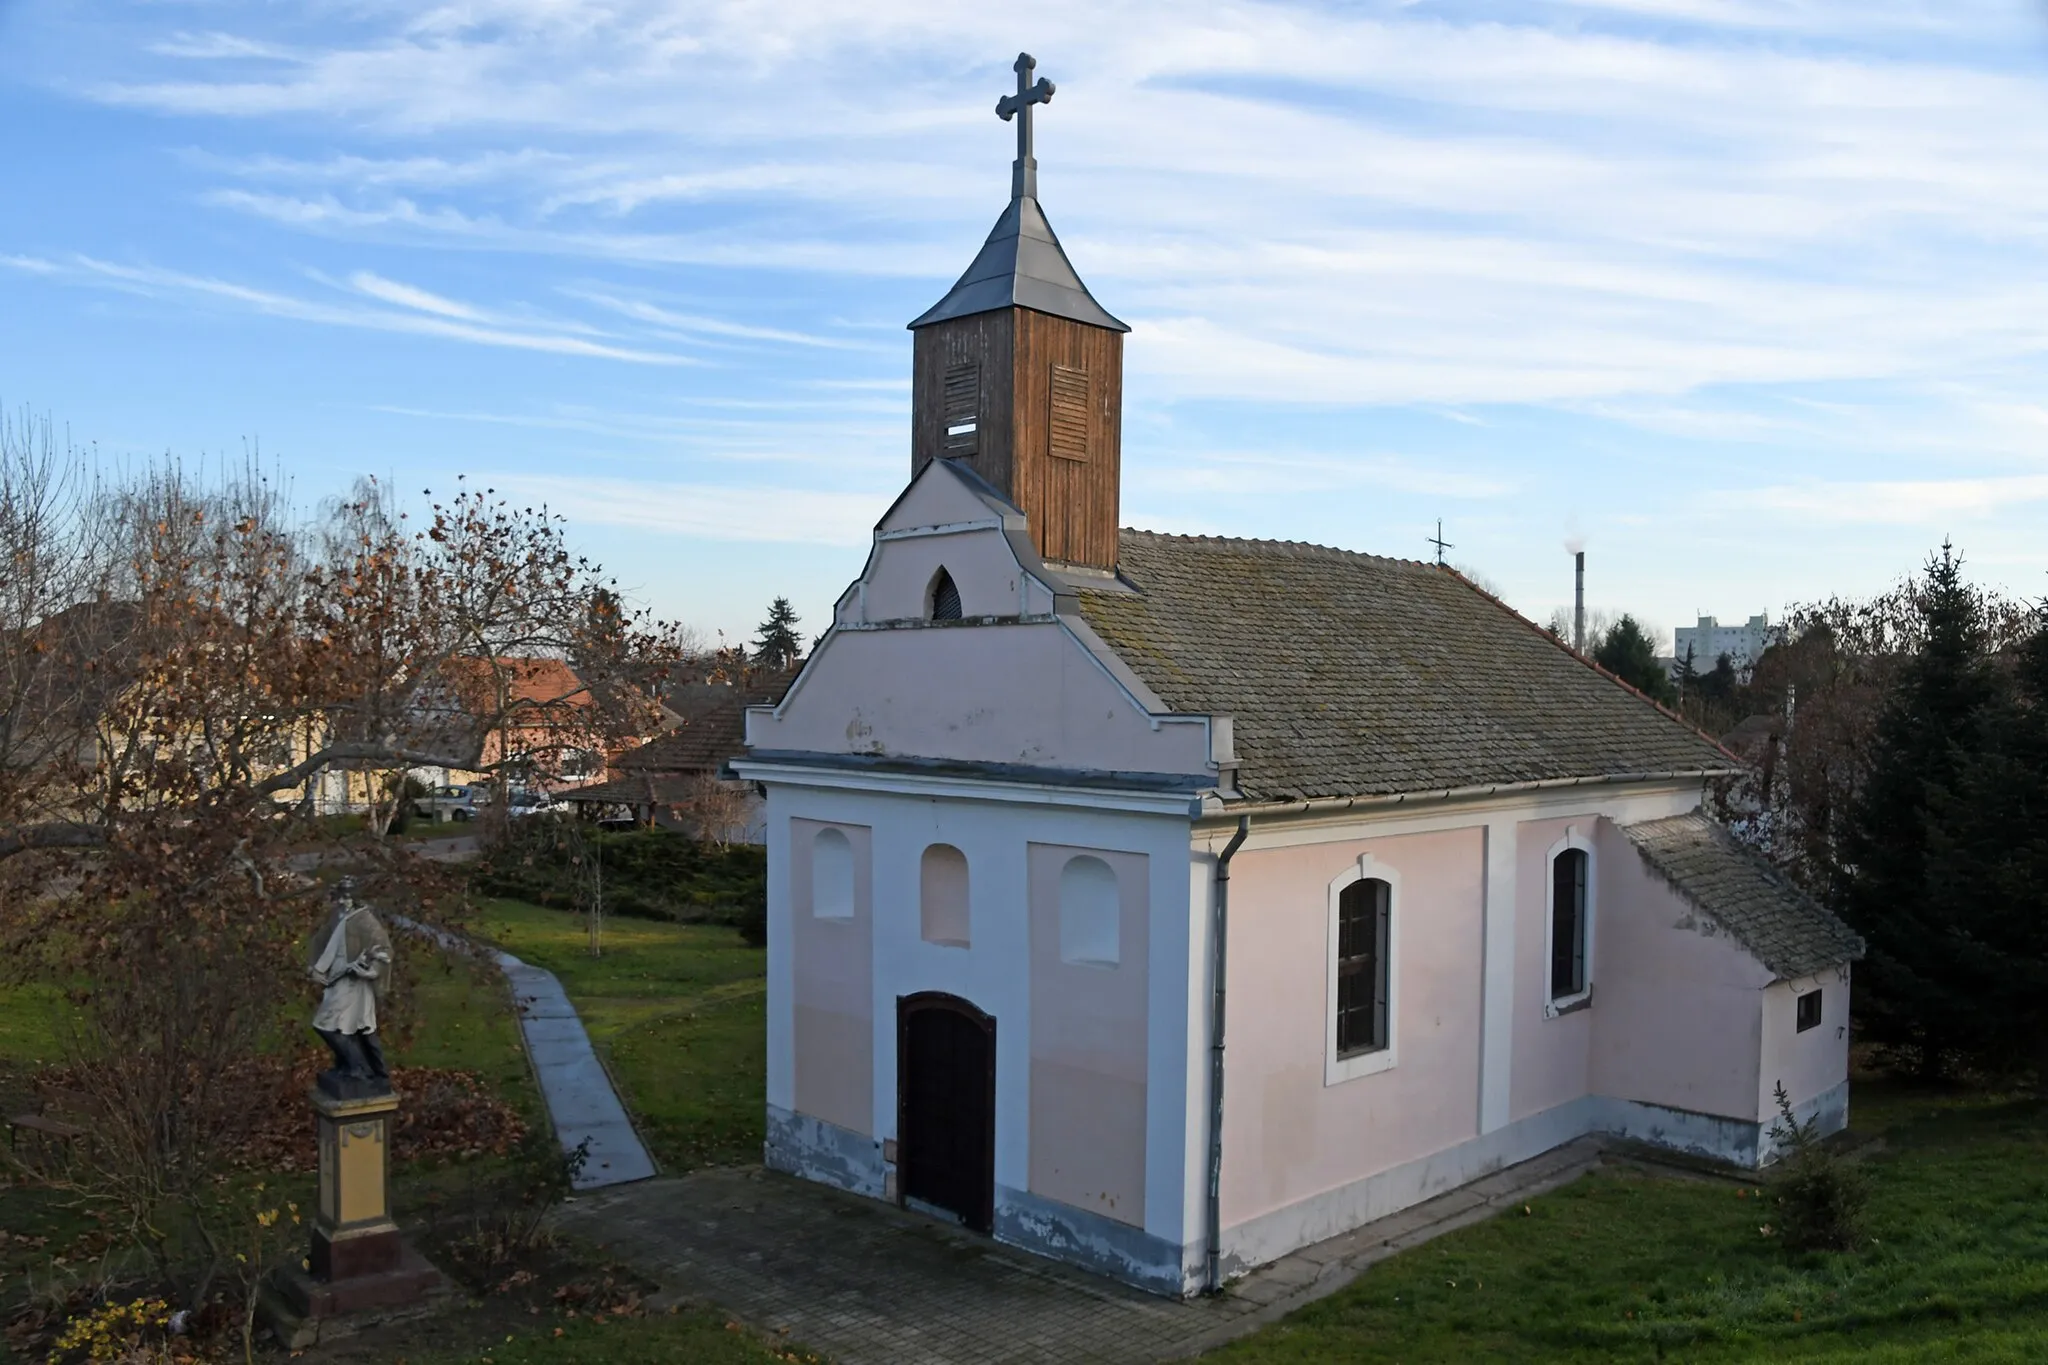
(963, 408)
(1069, 416)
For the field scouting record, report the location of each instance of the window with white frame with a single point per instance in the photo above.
(1568, 928)
(1364, 979)
(1362, 913)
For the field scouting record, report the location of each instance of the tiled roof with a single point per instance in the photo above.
(1351, 675)
(711, 724)
(1782, 927)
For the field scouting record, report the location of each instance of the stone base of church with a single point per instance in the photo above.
(816, 1150)
(1710, 1137)
(804, 1146)
(1078, 1237)
(801, 1145)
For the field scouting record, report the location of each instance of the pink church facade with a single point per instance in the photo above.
(1035, 829)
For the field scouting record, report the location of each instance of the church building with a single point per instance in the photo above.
(1166, 903)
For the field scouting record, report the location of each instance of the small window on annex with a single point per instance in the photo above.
(1091, 913)
(1364, 909)
(944, 602)
(1809, 1011)
(1568, 916)
(831, 875)
(942, 896)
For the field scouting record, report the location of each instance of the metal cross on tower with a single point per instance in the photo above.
(1439, 541)
(1024, 174)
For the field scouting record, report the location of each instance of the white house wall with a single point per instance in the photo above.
(1813, 1065)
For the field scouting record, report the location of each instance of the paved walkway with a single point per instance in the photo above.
(868, 1284)
(578, 1091)
(582, 1105)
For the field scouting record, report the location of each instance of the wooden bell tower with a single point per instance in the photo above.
(1018, 372)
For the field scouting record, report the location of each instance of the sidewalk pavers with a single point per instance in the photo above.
(869, 1284)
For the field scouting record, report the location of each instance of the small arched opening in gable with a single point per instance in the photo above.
(942, 603)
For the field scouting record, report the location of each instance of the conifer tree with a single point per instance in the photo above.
(776, 643)
(1626, 652)
(1915, 986)
(1988, 872)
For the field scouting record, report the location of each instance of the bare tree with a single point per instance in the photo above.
(182, 658)
(716, 808)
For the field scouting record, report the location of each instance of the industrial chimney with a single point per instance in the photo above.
(1579, 602)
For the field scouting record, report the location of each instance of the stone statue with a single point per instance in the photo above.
(351, 960)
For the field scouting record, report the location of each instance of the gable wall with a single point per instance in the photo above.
(1091, 1064)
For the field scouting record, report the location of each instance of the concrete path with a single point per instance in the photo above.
(869, 1284)
(579, 1093)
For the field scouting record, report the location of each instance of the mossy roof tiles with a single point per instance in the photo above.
(1782, 927)
(1351, 675)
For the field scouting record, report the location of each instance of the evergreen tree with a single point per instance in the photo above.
(1719, 685)
(1688, 676)
(1916, 987)
(776, 643)
(1626, 652)
(1987, 871)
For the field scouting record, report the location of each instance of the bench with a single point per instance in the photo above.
(59, 1118)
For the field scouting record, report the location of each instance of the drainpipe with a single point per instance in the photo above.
(1219, 960)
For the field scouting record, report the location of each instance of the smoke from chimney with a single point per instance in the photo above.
(1579, 602)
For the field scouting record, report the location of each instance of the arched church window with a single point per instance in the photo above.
(831, 875)
(945, 598)
(1568, 923)
(1364, 967)
(1091, 913)
(942, 896)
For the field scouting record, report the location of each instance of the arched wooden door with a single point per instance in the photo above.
(946, 1106)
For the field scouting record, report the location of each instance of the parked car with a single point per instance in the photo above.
(523, 803)
(444, 804)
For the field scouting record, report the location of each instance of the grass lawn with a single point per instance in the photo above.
(29, 1019)
(676, 1011)
(1619, 1267)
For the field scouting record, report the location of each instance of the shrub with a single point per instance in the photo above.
(1820, 1195)
(648, 873)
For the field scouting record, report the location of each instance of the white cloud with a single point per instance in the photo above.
(755, 514)
(156, 282)
(411, 296)
(1926, 502)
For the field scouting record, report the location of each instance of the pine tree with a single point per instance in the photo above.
(1626, 652)
(1988, 871)
(1916, 982)
(776, 643)
(1720, 683)
(1688, 675)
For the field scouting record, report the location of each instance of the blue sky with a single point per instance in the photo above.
(1747, 295)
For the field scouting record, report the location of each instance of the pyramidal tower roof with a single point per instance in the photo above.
(1022, 264)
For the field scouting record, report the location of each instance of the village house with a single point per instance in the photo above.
(676, 780)
(1166, 903)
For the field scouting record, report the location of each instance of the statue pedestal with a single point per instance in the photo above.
(361, 1270)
